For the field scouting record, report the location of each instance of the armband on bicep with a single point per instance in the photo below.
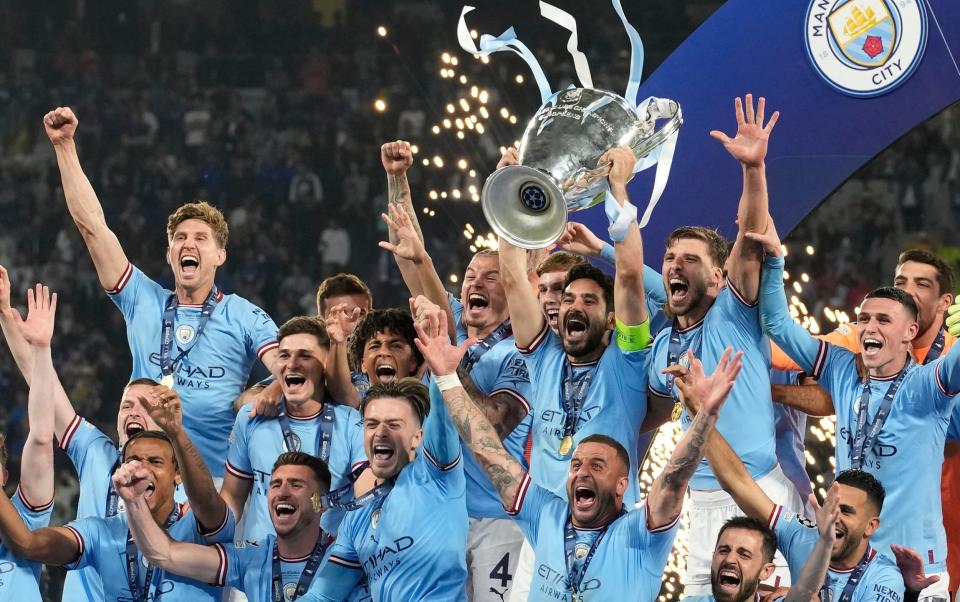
(633, 338)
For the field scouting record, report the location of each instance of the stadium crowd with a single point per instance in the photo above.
(482, 444)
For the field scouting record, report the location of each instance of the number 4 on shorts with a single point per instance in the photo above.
(502, 571)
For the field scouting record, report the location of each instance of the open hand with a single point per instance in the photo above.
(828, 514)
(749, 146)
(432, 340)
(163, 406)
(768, 239)
(37, 329)
(911, 567)
(410, 246)
(340, 322)
(704, 393)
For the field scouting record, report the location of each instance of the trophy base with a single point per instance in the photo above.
(524, 206)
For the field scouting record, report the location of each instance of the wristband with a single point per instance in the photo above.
(446, 382)
(633, 338)
(621, 217)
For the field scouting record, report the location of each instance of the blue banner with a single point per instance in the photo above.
(848, 76)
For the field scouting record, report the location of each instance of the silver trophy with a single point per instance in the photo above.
(560, 168)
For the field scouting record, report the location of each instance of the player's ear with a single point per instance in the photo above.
(912, 331)
(167, 255)
(221, 256)
(417, 438)
(767, 570)
(872, 525)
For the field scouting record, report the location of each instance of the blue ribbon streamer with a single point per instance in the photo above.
(636, 55)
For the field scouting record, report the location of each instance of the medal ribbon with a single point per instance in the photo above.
(131, 562)
(937, 348)
(854, 579)
(675, 349)
(113, 499)
(344, 497)
(327, 421)
(306, 577)
(166, 338)
(864, 440)
(572, 395)
(476, 351)
(575, 578)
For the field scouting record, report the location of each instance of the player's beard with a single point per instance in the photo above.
(696, 291)
(848, 548)
(589, 343)
(747, 589)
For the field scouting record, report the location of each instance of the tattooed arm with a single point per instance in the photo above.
(397, 157)
(164, 407)
(503, 410)
(666, 495)
(467, 415)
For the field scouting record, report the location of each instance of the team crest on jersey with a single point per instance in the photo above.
(580, 550)
(865, 48)
(375, 518)
(185, 333)
(289, 591)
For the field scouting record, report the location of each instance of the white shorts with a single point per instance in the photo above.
(524, 574)
(939, 591)
(709, 510)
(493, 550)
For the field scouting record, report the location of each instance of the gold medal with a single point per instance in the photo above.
(167, 381)
(677, 411)
(566, 445)
(575, 598)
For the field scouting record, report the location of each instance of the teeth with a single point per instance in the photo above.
(295, 379)
(189, 259)
(385, 369)
(133, 427)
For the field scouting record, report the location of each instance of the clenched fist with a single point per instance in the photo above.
(397, 157)
(60, 125)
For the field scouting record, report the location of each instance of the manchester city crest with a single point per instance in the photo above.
(580, 550)
(289, 591)
(865, 48)
(185, 333)
(375, 517)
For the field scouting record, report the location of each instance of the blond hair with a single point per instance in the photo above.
(206, 213)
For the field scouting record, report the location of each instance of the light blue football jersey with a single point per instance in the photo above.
(94, 455)
(796, 538)
(411, 543)
(103, 542)
(628, 563)
(500, 369)
(615, 405)
(908, 466)
(255, 444)
(214, 372)
(747, 420)
(20, 578)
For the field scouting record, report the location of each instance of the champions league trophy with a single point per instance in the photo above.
(560, 170)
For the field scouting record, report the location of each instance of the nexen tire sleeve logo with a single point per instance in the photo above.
(865, 48)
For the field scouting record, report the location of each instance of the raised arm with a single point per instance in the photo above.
(631, 308)
(49, 545)
(775, 317)
(164, 407)
(807, 587)
(36, 463)
(108, 257)
(19, 347)
(397, 158)
(749, 147)
(665, 499)
(467, 416)
(439, 435)
(187, 559)
(410, 248)
(337, 367)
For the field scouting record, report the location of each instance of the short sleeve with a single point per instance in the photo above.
(234, 564)
(262, 332)
(238, 454)
(738, 313)
(530, 505)
(87, 446)
(340, 571)
(132, 288)
(796, 537)
(654, 541)
(888, 586)
(542, 345)
(358, 454)
(88, 533)
(34, 517)
(656, 382)
(514, 380)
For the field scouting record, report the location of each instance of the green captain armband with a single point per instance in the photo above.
(633, 338)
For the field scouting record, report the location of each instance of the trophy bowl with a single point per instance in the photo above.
(560, 170)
